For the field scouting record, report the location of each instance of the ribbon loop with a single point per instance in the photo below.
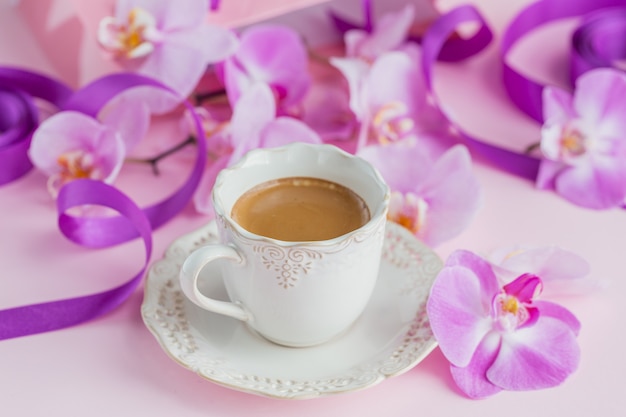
(20, 116)
(54, 315)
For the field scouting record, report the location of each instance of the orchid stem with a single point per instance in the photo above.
(210, 96)
(154, 161)
(532, 148)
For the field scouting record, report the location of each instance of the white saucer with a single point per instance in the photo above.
(391, 336)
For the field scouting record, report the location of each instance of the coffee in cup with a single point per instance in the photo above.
(300, 209)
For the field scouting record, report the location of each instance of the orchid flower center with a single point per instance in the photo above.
(513, 306)
(133, 38)
(78, 164)
(510, 313)
(573, 143)
(408, 210)
(392, 122)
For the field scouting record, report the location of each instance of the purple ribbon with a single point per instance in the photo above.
(432, 45)
(598, 42)
(99, 232)
(587, 53)
(54, 315)
(19, 116)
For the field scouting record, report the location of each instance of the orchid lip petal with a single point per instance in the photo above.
(525, 287)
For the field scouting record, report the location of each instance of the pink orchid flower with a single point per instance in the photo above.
(435, 200)
(499, 337)
(71, 145)
(389, 98)
(563, 272)
(390, 33)
(253, 125)
(167, 40)
(274, 55)
(583, 142)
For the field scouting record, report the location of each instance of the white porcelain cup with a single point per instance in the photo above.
(293, 293)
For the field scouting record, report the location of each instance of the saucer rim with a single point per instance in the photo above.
(209, 230)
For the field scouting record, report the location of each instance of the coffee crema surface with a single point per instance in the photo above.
(299, 209)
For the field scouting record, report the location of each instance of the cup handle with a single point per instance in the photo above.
(190, 272)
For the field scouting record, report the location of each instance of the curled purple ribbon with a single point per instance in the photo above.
(19, 116)
(598, 42)
(526, 93)
(432, 45)
(99, 232)
(54, 315)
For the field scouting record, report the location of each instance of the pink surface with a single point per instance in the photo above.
(114, 366)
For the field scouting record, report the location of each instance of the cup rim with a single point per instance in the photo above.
(380, 215)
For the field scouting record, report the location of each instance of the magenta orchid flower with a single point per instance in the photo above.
(274, 55)
(389, 98)
(70, 145)
(167, 40)
(583, 142)
(499, 337)
(435, 200)
(563, 272)
(253, 125)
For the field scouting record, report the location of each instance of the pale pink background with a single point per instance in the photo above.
(114, 366)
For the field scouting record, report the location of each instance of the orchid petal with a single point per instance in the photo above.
(400, 165)
(271, 54)
(489, 282)
(355, 72)
(179, 61)
(562, 271)
(459, 306)
(390, 32)
(327, 110)
(219, 43)
(286, 130)
(600, 184)
(396, 77)
(353, 39)
(472, 379)
(453, 195)
(599, 99)
(253, 112)
(535, 357)
(524, 288)
(202, 197)
(558, 105)
(131, 118)
(457, 317)
(548, 171)
(549, 309)
(551, 137)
